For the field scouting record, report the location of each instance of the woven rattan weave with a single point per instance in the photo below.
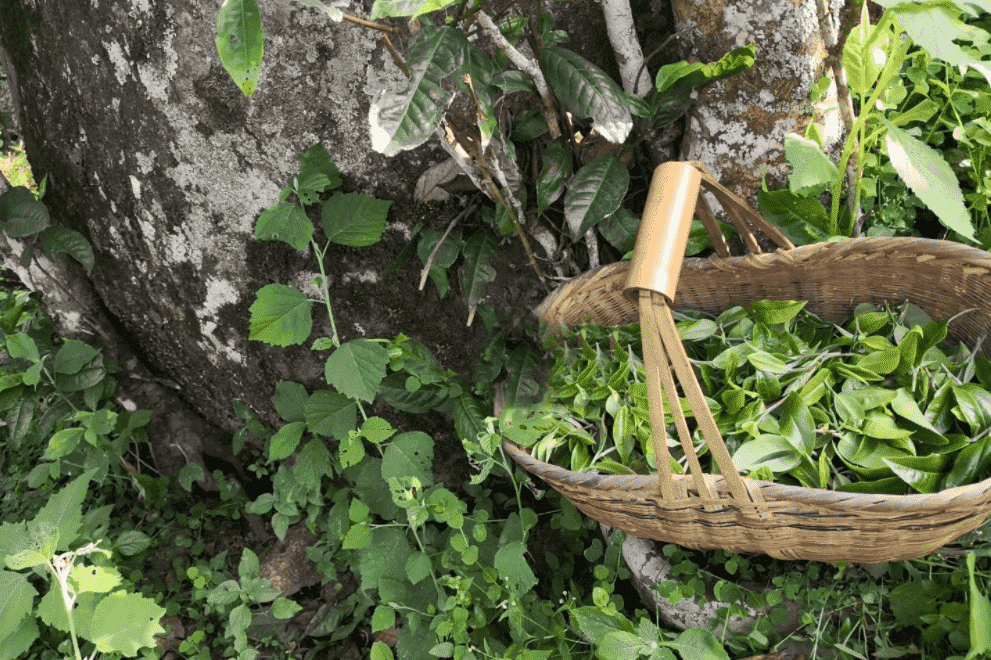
(700, 510)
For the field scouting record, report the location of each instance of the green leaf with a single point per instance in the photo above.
(285, 222)
(802, 219)
(443, 650)
(594, 192)
(21, 214)
(54, 240)
(125, 623)
(383, 618)
(73, 356)
(980, 615)
(974, 406)
(317, 173)
(410, 455)
(290, 401)
(620, 229)
(863, 56)
(241, 42)
(249, 566)
(477, 270)
(377, 430)
(812, 170)
(444, 256)
(280, 316)
(512, 565)
(393, 391)
(51, 609)
(773, 451)
(354, 219)
(283, 608)
(675, 82)
(20, 641)
(64, 442)
(764, 361)
(408, 119)
(698, 644)
(330, 414)
(417, 567)
(96, 579)
(556, 170)
(356, 369)
(935, 28)
(64, 510)
(587, 91)
(285, 441)
(930, 178)
(621, 645)
(358, 537)
(697, 329)
(970, 461)
(775, 312)
(923, 473)
(132, 542)
(381, 650)
(522, 387)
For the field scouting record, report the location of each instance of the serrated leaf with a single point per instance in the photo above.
(930, 178)
(477, 270)
(512, 565)
(594, 192)
(133, 542)
(383, 618)
(55, 240)
(64, 510)
(285, 222)
(621, 645)
(935, 28)
(587, 91)
(357, 368)
(393, 391)
(241, 42)
(417, 567)
(284, 608)
(290, 400)
(698, 644)
(381, 651)
(358, 536)
(249, 566)
(317, 173)
(95, 579)
(285, 441)
(407, 119)
(330, 414)
(410, 455)
(354, 219)
(51, 608)
(280, 316)
(17, 644)
(125, 623)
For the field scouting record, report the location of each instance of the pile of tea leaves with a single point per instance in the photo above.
(879, 404)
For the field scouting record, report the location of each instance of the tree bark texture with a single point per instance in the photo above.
(738, 124)
(154, 154)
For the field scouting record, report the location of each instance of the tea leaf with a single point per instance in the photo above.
(240, 43)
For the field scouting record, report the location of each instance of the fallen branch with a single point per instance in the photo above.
(433, 253)
(623, 37)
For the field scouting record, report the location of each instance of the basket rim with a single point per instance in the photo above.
(959, 497)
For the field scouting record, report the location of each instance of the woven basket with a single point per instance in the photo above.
(699, 510)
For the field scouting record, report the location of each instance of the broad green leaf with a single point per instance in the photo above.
(417, 567)
(96, 579)
(594, 192)
(930, 178)
(395, 8)
(477, 270)
(513, 566)
(621, 645)
(410, 455)
(697, 329)
(595, 623)
(383, 618)
(587, 91)
(317, 173)
(775, 312)
(241, 42)
(773, 451)
(802, 219)
(64, 510)
(522, 386)
(51, 609)
(913, 600)
(764, 361)
(469, 418)
(698, 644)
(864, 54)
(980, 615)
(280, 316)
(381, 650)
(290, 401)
(285, 222)
(73, 356)
(20, 641)
(285, 441)
(974, 406)
(21, 214)
(970, 462)
(555, 172)
(283, 608)
(384, 558)
(936, 27)
(620, 229)
(443, 257)
(881, 362)
(812, 170)
(676, 82)
(132, 542)
(393, 391)
(54, 240)
(354, 219)
(64, 442)
(125, 623)
(330, 414)
(407, 119)
(356, 369)
(376, 430)
(923, 473)
(882, 426)
(904, 405)
(358, 537)
(313, 463)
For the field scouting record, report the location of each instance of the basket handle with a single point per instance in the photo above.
(653, 279)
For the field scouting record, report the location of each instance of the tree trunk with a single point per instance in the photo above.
(738, 125)
(154, 154)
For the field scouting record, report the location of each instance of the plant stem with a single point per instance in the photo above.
(325, 290)
(623, 38)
